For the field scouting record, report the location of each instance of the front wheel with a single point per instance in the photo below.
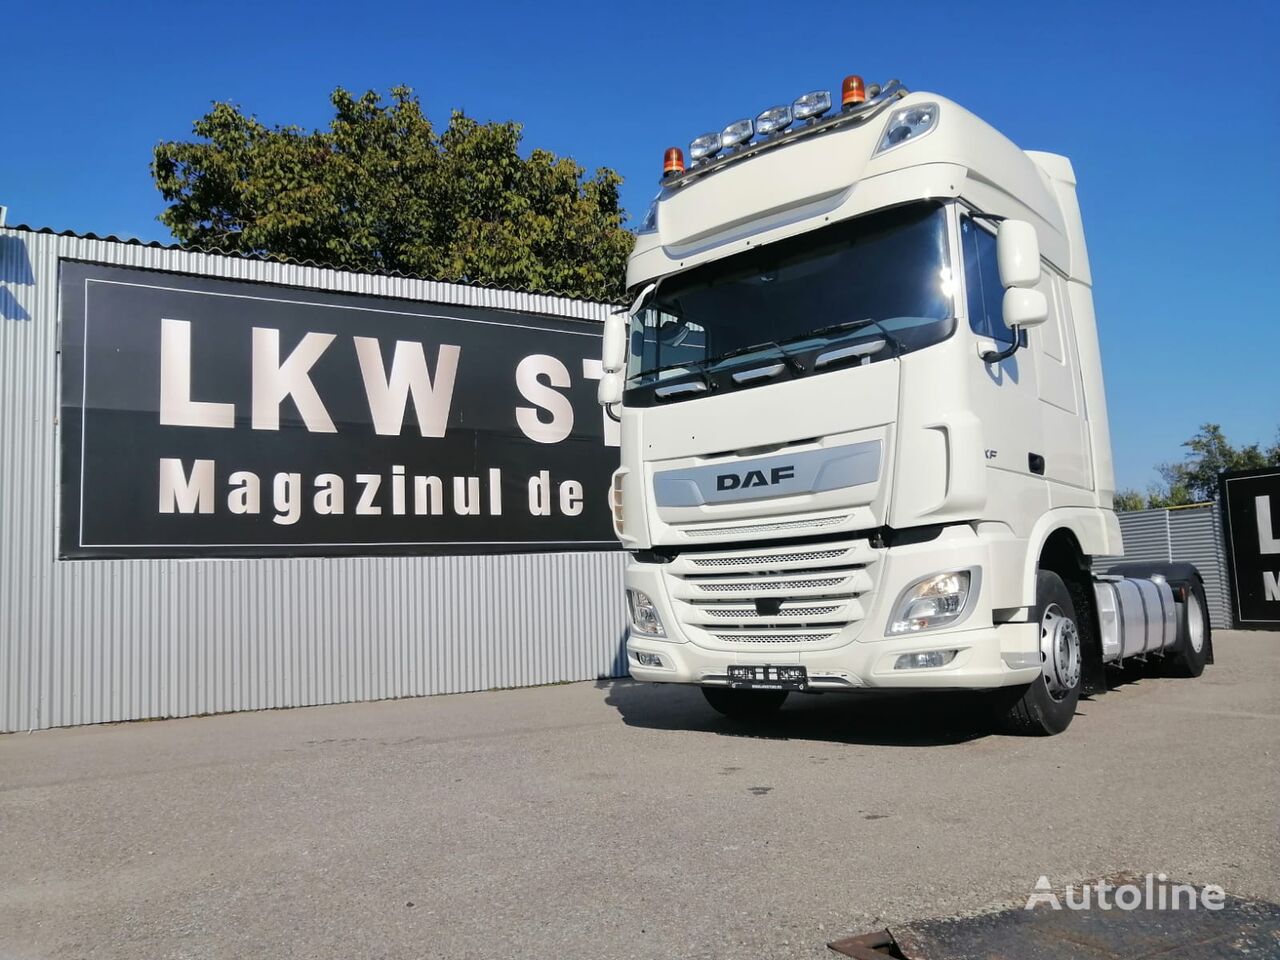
(1046, 706)
(744, 704)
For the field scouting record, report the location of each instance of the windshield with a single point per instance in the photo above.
(883, 277)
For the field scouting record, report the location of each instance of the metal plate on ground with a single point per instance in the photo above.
(1241, 928)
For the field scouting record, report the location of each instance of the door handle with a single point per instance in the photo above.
(1035, 463)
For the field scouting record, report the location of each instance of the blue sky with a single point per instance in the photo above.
(1169, 111)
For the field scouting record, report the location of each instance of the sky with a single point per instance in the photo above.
(1169, 111)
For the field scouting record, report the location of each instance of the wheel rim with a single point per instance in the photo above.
(1059, 651)
(1195, 622)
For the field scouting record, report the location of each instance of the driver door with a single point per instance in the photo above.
(1005, 393)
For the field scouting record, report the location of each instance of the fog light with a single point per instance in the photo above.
(648, 659)
(644, 615)
(921, 661)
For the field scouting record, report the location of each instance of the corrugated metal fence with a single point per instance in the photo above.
(94, 641)
(1190, 534)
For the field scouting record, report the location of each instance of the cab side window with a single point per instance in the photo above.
(982, 283)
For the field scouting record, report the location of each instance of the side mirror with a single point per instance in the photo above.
(613, 352)
(1024, 308)
(609, 391)
(1018, 254)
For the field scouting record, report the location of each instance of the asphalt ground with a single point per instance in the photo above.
(611, 820)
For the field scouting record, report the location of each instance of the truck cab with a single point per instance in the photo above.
(864, 436)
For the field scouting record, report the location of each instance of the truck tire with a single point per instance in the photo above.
(1194, 635)
(744, 704)
(1047, 705)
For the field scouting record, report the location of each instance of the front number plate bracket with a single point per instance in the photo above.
(768, 677)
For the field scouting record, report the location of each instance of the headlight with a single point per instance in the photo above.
(644, 615)
(932, 602)
(909, 123)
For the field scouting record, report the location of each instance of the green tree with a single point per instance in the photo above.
(382, 190)
(1195, 479)
(1209, 454)
(1174, 494)
(1129, 500)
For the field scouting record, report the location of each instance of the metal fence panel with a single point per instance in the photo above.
(92, 641)
(1187, 534)
(1196, 536)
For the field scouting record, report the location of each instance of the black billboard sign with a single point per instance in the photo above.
(207, 417)
(1251, 529)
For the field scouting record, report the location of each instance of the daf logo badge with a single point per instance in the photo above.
(754, 478)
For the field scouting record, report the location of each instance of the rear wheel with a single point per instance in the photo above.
(1046, 706)
(1194, 634)
(744, 704)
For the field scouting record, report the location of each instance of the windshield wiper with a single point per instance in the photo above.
(699, 366)
(850, 325)
(789, 357)
(693, 366)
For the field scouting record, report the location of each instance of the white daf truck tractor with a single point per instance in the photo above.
(864, 438)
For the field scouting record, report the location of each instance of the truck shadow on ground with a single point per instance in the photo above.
(857, 718)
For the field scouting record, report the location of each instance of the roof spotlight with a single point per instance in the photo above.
(774, 120)
(704, 147)
(811, 105)
(736, 133)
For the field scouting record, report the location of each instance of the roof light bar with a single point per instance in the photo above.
(781, 124)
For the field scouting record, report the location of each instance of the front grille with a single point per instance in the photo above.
(765, 527)
(814, 592)
(747, 613)
(764, 558)
(736, 638)
(789, 584)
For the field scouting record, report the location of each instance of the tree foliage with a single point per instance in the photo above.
(1127, 500)
(381, 190)
(1195, 479)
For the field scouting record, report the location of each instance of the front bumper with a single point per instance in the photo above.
(826, 610)
(979, 664)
